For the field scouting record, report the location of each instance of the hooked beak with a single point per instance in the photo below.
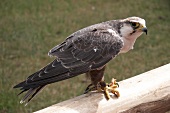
(145, 30)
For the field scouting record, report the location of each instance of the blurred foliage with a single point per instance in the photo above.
(30, 28)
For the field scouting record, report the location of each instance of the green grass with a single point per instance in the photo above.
(30, 28)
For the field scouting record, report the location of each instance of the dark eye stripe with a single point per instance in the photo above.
(135, 25)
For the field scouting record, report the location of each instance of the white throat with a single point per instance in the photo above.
(129, 42)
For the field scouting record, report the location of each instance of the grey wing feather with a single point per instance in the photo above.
(87, 46)
(75, 35)
(84, 50)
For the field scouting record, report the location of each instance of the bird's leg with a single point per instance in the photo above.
(92, 87)
(95, 76)
(97, 83)
(106, 88)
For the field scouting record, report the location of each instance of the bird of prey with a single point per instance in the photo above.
(85, 51)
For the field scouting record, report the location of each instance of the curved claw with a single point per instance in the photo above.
(117, 84)
(89, 88)
(112, 87)
(105, 88)
(116, 92)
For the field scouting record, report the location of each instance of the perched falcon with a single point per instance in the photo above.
(85, 51)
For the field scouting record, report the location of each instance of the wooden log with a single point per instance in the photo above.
(146, 93)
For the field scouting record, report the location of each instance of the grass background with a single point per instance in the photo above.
(30, 28)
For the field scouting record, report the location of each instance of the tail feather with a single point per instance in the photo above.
(19, 85)
(51, 73)
(32, 92)
(22, 91)
(35, 93)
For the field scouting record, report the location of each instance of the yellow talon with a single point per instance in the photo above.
(116, 92)
(106, 93)
(112, 87)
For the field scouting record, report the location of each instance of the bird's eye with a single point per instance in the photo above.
(134, 24)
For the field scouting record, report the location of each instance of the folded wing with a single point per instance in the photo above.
(85, 50)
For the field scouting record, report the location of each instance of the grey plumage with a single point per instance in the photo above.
(87, 49)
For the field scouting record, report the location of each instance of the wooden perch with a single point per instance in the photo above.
(146, 93)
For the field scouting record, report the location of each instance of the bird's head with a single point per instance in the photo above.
(133, 27)
(130, 29)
